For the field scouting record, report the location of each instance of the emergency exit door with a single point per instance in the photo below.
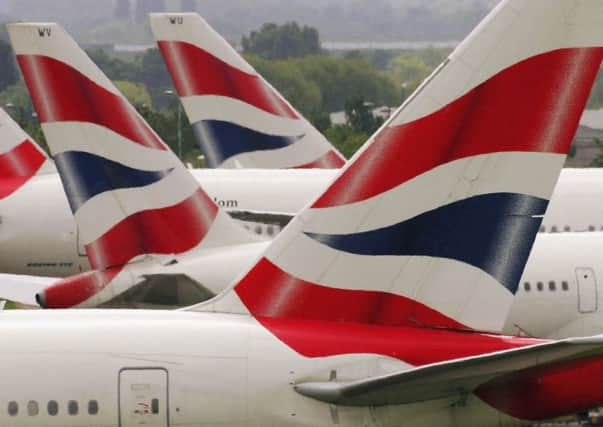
(587, 290)
(143, 398)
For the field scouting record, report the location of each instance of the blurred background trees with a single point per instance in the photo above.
(317, 83)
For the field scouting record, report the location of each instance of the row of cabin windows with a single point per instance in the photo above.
(555, 229)
(52, 408)
(267, 230)
(552, 286)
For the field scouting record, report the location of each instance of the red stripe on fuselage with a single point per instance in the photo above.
(532, 394)
(18, 165)
(197, 72)
(60, 93)
(331, 160)
(74, 290)
(412, 345)
(171, 230)
(269, 292)
(532, 106)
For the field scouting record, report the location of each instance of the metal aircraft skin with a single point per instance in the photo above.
(239, 120)
(338, 323)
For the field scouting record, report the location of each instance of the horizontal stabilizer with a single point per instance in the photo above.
(458, 377)
(23, 289)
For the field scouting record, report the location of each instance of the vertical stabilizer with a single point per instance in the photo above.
(431, 223)
(238, 118)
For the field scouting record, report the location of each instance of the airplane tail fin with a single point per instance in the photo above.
(431, 223)
(20, 157)
(239, 119)
(130, 195)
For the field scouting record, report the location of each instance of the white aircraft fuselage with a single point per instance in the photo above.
(159, 369)
(560, 293)
(38, 235)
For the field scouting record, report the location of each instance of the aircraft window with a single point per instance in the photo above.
(155, 406)
(32, 408)
(567, 228)
(13, 408)
(554, 229)
(539, 286)
(258, 230)
(565, 286)
(552, 286)
(527, 286)
(542, 229)
(72, 407)
(270, 230)
(93, 407)
(53, 408)
(591, 228)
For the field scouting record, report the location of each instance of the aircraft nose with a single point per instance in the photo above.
(41, 299)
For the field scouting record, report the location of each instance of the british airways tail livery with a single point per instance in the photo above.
(238, 118)
(131, 196)
(20, 157)
(432, 222)
(320, 342)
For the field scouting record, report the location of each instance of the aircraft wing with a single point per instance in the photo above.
(23, 289)
(445, 379)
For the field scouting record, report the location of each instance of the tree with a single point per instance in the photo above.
(290, 82)
(596, 96)
(122, 10)
(8, 71)
(136, 93)
(360, 116)
(274, 41)
(115, 68)
(345, 139)
(154, 74)
(598, 161)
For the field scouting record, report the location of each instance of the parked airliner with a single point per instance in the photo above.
(338, 323)
(45, 241)
(239, 120)
(142, 218)
(21, 158)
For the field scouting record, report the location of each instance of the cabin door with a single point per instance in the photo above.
(587, 290)
(143, 398)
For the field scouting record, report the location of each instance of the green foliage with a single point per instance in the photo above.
(346, 139)
(411, 68)
(165, 123)
(8, 71)
(114, 68)
(323, 84)
(360, 116)
(154, 74)
(289, 80)
(18, 97)
(136, 93)
(147, 68)
(596, 96)
(274, 41)
(598, 161)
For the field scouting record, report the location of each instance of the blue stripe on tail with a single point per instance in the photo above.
(221, 140)
(86, 175)
(479, 231)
